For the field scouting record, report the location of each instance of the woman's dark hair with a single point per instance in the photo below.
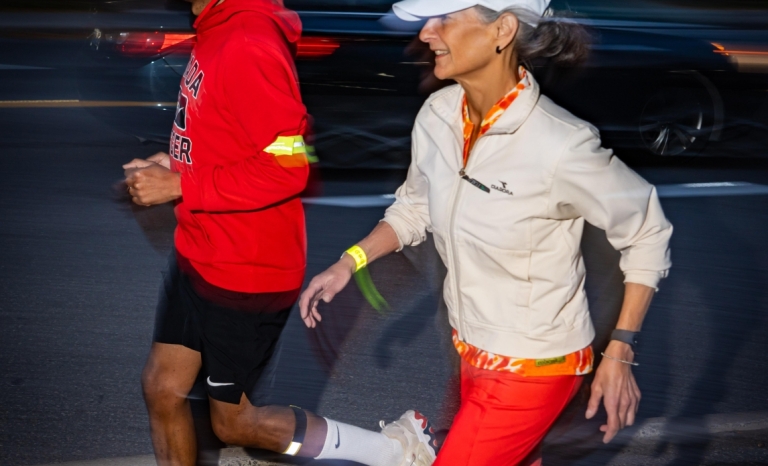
(557, 39)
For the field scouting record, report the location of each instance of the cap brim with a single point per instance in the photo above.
(418, 10)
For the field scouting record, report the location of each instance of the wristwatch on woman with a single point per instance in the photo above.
(628, 337)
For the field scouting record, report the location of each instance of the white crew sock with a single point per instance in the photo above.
(346, 442)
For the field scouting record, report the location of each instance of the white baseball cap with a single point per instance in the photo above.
(418, 10)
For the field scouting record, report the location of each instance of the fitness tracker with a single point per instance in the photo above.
(628, 337)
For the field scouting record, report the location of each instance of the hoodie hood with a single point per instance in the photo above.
(216, 13)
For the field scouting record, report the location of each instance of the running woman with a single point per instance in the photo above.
(235, 167)
(505, 179)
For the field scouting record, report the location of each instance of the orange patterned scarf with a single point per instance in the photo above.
(493, 114)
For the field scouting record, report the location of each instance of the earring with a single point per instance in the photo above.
(498, 49)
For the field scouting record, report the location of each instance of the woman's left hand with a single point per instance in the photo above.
(616, 386)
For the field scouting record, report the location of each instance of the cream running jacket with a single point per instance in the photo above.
(515, 283)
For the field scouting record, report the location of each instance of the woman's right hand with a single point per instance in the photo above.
(324, 287)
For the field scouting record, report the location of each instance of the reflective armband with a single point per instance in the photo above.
(289, 151)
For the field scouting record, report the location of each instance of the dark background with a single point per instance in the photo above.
(80, 271)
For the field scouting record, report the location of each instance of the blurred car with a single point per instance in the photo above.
(364, 75)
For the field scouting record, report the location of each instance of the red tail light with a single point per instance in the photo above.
(315, 47)
(173, 39)
(147, 44)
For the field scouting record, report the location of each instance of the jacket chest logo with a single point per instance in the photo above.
(181, 146)
(181, 112)
(503, 188)
(193, 77)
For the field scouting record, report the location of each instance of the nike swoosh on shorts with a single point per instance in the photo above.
(214, 384)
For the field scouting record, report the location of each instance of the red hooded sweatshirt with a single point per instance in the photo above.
(240, 220)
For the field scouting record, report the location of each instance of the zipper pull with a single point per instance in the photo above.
(474, 182)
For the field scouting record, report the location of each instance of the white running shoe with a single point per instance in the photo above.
(417, 436)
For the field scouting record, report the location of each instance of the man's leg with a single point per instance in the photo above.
(166, 381)
(238, 333)
(273, 428)
(267, 427)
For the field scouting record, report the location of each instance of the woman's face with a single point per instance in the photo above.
(463, 44)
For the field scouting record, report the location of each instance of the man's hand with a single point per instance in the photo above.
(616, 385)
(325, 286)
(161, 158)
(152, 184)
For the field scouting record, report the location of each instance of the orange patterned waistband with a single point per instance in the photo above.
(577, 363)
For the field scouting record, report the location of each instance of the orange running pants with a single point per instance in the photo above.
(503, 417)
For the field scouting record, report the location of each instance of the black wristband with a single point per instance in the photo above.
(626, 336)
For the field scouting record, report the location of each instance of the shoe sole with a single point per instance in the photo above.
(424, 432)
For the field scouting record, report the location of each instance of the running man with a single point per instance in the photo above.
(235, 168)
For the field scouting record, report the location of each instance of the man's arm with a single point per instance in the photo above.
(614, 381)
(262, 96)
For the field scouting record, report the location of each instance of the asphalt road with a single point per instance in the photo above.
(79, 274)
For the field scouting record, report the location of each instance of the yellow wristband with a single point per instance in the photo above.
(357, 253)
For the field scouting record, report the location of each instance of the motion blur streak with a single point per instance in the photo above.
(172, 39)
(79, 103)
(746, 60)
(315, 47)
(150, 44)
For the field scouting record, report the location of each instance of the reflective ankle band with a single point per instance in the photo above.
(292, 449)
(298, 432)
(357, 253)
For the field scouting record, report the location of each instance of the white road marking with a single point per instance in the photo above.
(720, 188)
(74, 103)
(376, 200)
(648, 430)
(231, 456)
(663, 429)
(4, 67)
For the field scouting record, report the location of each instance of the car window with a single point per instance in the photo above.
(364, 6)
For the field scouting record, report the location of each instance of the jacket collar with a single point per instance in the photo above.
(447, 106)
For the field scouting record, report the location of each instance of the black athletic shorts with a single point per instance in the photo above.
(235, 333)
